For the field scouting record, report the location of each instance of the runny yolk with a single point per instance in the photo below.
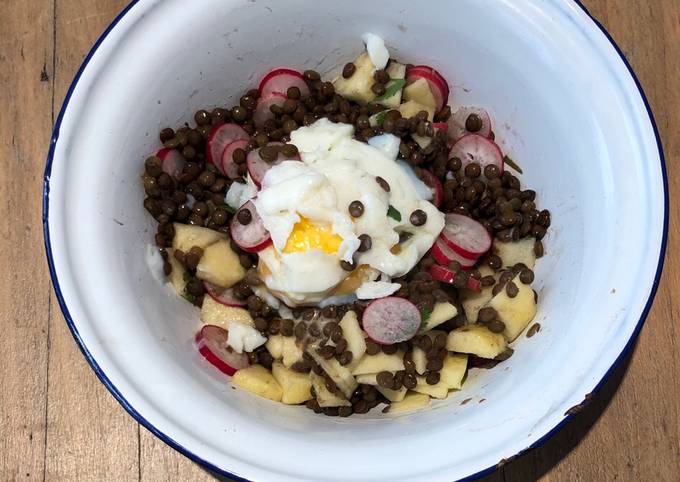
(306, 235)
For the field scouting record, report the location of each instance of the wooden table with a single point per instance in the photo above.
(58, 422)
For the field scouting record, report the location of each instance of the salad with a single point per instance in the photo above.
(349, 243)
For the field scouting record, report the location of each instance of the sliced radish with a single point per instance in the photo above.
(221, 137)
(441, 126)
(257, 167)
(444, 255)
(391, 320)
(228, 167)
(222, 296)
(251, 237)
(280, 80)
(479, 149)
(212, 344)
(172, 161)
(435, 186)
(465, 236)
(437, 83)
(445, 275)
(263, 109)
(456, 124)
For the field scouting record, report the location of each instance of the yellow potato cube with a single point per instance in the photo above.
(378, 363)
(351, 331)
(476, 340)
(412, 401)
(290, 351)
(274, 346)
(220, 266)
(214, 313)
(442, 312)
(297, 387)
(419, 91)
(341, 375)
(514, 252)
(411, 108)
(325, 397)
(358, 86)
(439, 390)
(258, 380)
(367, 379)
(419, 360)
(177, 274)
(393, 395)
(515, 312)
(453, 372)
(187, 236)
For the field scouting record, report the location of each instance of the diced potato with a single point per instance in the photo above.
(453, 372)
(368, 379)
(214, 313)
(440, 390)
(422, 141)
(258, 380)
(274, 346)
(177, 274)
(297, 387)
(393, 395)
(358, 86)
(412, 401)
(290, 351)
(411, 108)
(476, 340)
(220, 266)
(441, 313)
(341, 375)
(514, 252)
(515, 312)
(419, 91)
(187, 236)
(396, 71)
(419, 360)
(378, 363)
(351, 331)
(473, 301)
(325, 397)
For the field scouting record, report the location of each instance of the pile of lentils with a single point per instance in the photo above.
(495, 199)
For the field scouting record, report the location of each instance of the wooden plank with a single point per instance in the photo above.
(90, 437)
(26, 54)
(160, 462)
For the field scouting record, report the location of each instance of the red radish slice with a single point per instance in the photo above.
(441, 125)
(435, 185)
(445, 275)
(257, 167)
(228, 167)
(465, 236)
(263, 109)
(251, 237)
(456, 124)
(479, 149)
(221, 137)
(280, 80)
(222, 296)
(391, 320)
(212, 344)
(444, 255)
(172, 161)
(437, 83)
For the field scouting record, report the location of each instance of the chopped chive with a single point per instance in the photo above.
(507, 160)
(394, 86)
(394, 214)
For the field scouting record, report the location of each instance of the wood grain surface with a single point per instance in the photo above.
(58, 422)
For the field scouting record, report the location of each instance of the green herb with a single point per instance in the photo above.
(380, 117)
(187, 276)
(227, 208)
(189, 297)
(425, 313)
(393, 87)
(394, 214)
(512, 164)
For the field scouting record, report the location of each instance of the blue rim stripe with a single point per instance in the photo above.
(172, 443)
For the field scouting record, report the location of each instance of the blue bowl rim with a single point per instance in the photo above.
(186, 452)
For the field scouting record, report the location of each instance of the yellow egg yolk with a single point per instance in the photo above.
(306, 235)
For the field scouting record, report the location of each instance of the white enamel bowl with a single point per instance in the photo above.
(565, 106)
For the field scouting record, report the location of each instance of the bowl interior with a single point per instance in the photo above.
(563, 106)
